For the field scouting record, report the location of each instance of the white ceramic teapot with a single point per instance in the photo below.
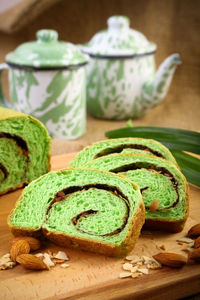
(121, 78)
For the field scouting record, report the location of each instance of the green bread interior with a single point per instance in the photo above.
(14, 163)
(159, 187)
(111, 211)
(37, 142)
(121, 145)
(141, 170)
(33, 211)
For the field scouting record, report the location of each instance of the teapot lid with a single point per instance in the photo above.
(118, 40)
(46, 52)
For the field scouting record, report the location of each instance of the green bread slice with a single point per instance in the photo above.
(160, 182)
(88, 209)
(24, 149)
(122, 145)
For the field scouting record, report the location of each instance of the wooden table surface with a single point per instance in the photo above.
(91, 276)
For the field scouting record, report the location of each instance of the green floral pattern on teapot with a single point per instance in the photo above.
(112, 90)
(122, 81)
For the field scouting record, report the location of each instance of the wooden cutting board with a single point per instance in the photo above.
(92, 276)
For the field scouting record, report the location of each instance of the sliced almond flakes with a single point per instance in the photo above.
(133, 258)
(64, 265)
(135, 275)
(134, 269)
(61, 255)
(6, 262)
(47, 260)
(58, 261)
(39, 254)
(125, 274)
(185, 240)
(127, 267)
(143, 271)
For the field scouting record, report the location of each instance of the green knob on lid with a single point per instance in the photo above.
(47, 35)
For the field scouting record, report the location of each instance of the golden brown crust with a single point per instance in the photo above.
(17, 231)
(19, 186)
(98, 246)
(168, 226)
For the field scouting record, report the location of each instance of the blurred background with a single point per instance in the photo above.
(174, 25)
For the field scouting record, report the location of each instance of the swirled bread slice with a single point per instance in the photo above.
(87, 209)
(24, 149)
(122, 145)
(164, 188)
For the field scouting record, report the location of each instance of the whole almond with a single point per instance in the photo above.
(33, 242)
(154, 205)
(195, 255)
(197, 243)
(172, 260)
(194, 231)
(20, 247)
(30, 261)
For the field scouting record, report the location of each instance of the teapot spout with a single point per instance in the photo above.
(159, 87)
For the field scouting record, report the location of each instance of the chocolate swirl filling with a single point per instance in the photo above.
(152, 168)
(120, 148)
(23, 147)
(63, 194)
(4, 171)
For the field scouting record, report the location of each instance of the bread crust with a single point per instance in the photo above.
(168, 226)
(87, 244)
(164, 148)
(99, 246)
(17, 231)
(6, 114)
(13, 188)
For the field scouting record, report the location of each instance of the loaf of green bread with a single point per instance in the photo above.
(164, 188)
(87, 209)
(24, 149)
(122, 145)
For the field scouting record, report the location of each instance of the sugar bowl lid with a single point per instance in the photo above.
(118, 40)
(46, 52)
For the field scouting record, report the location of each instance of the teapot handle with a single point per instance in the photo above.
(3, 101)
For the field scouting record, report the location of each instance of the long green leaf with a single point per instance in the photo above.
(190, 166)
(172, 138)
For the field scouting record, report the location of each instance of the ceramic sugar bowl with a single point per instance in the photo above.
(122, 82)
(47, 81)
